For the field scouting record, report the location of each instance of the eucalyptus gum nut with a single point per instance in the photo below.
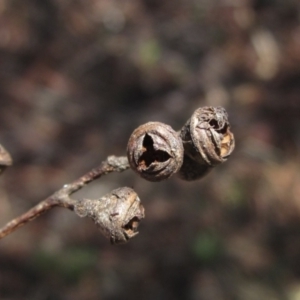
(117, 214)
(206, 136)
(155, 151)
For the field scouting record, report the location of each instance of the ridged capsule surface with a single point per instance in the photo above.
(117, 214)
(206, 136)
(155, 151)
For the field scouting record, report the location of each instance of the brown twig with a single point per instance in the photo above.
(61, 198)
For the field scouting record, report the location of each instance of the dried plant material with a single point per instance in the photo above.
(206, 136)
(117, 214)
(5, 159)
(155, 151)
(61, 198)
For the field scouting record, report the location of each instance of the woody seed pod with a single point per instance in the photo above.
(117, 214)
(155, 151)
(206, 136)
(5, 159)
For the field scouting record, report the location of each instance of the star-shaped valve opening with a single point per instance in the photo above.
(151, 155)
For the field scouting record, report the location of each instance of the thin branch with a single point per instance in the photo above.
(61, 197)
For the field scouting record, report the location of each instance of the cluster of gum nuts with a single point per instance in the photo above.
(156, 151)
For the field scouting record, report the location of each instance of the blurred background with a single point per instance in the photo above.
(76, 78)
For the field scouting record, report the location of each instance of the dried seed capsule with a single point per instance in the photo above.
(155, 151)
(207, 137)
(117, 214)
(192, 170)
(5, 159)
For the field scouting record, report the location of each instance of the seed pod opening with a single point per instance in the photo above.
(207, 137)
(117, 214)
(155, 151)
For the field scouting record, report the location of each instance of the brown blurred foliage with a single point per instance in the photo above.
(76, 78)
